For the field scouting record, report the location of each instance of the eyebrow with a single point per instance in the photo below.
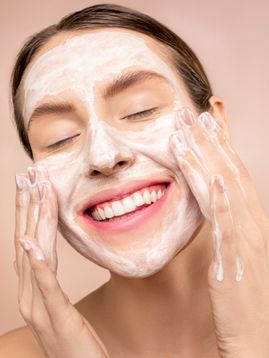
(118, 85)
(129, 79)
(51, 108)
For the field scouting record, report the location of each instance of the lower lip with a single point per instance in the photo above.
(139, 217)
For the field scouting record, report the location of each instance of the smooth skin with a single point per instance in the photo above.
(181, 311)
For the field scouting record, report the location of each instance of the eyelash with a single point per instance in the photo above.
(135, 115)
(142, 113)
(62, 142)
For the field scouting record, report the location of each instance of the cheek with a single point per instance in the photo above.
(64, 171)
(153, 141)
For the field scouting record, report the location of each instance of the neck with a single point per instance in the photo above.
(169, 310)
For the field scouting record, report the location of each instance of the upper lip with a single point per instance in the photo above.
(118, 192)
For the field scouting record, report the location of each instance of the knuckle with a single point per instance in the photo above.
(34, 201)
(38, 320)
(19, 203)
(219, 206)
(21, 200)
(25, 311)
(49, 287)
(256, 246)
(17, 236)
(222, 138)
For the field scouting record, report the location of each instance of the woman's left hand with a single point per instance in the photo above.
(238, 276)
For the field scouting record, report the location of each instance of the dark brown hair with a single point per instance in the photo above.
(183, 58)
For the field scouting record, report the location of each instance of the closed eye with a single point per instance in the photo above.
(142, 113)
(62, 142)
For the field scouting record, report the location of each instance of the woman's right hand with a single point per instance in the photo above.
(60, 329)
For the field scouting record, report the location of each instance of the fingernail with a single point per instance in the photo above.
(20, 181)
(187, 117)
(32, 174)
(179, 143)
(41, 190)
(219, 182)
(207, 122)
(28, 245)
(219, 272)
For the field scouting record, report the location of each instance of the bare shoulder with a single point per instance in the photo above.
(20, 342)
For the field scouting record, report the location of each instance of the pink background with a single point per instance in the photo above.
(231, 39)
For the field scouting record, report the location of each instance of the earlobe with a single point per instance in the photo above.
(218, 110)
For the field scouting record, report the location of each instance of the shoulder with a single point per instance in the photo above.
(20, 342)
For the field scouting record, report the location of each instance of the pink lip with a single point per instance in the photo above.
(118, 192)
(137, 218)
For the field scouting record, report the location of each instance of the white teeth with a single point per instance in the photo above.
(101, 213)
(146, 197)
(94, 214)
(108, 212)
(138, 199)
(117, 208)
(128, 204)
(153, 196)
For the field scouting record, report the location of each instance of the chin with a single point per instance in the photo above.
(148, 255)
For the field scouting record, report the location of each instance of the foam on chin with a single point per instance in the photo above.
(68, 171)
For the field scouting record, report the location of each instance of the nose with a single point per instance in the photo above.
(108, 154)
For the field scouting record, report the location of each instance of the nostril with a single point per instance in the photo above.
(94, 173)
(121, 163)
(109, 169)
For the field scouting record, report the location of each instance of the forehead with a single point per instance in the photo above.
(77, 62)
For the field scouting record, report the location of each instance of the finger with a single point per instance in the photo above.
(22, 201)
(46, 233)
(193, 170)
(34, 204)
(223, 149)
(39, 316)
(223, 233)
(240, 189)
(22, 198)
(31, 305)
(207, 162)
(55, 301)
(45, 239)
(15, 267)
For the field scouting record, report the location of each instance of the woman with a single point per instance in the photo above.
(133, 164)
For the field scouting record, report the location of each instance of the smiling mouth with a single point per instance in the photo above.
(128, 205)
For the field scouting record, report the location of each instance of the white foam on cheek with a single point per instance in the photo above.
(68, 172)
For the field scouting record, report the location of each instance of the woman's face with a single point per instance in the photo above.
(99, 107)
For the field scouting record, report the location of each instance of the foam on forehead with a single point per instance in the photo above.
(80, 61)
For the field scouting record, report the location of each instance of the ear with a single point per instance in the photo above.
(218, 110)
